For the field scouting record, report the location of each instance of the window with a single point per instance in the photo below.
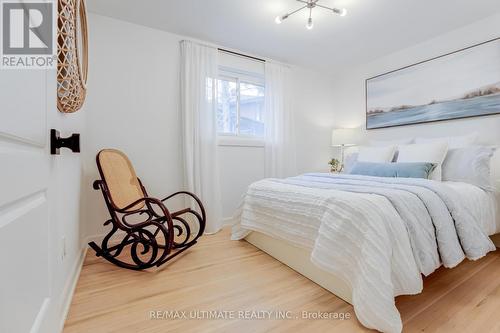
(251, 109)
(227, 105)
(240, 105)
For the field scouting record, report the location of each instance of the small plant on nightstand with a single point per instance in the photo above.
(335, 165)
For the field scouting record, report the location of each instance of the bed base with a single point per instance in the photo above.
(496, 240)
(298, 259)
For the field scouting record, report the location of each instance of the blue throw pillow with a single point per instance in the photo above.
(403, 170)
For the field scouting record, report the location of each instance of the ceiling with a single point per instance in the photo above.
(371, 29)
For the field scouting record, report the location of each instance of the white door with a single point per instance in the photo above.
(24, 222)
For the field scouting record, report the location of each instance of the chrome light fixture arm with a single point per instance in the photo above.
(280, 19)
(310, 4)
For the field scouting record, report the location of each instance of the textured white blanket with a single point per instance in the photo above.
(377, 234)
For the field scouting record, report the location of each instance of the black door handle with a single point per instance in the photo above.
(56, 142)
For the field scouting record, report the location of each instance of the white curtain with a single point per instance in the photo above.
(198, 108)
(279, 124)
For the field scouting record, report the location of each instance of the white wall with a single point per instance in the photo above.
(349, 87)
(314, 119)
(133, 105)
(64, 195)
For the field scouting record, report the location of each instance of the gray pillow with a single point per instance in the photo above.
(400, 170)
(469, 165)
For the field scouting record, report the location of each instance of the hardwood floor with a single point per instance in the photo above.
(223, 275)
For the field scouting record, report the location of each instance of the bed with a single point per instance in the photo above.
(368, 239)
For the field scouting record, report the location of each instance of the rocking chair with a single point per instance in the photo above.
(139, 220)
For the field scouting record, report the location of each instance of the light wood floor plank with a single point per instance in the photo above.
(473, 306)
(219, 274)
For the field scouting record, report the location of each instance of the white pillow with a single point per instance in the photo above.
(384, 143)
(425, 152)
(349, 161)
(452, 141)
(376, 154)
(381, 143)
(470, 165)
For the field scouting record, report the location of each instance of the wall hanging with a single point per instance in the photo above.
(72, 55)
(461, 84)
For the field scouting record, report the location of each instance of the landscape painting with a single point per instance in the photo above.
(462, 84)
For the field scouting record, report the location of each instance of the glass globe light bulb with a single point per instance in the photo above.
(309, 24)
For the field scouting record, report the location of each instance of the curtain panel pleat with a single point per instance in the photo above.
(199, 65)
(280, 156)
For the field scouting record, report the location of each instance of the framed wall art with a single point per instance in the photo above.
(461, 84)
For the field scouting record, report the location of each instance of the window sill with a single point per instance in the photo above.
(235, 141)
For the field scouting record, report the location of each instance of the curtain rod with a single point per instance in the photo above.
(241, 55)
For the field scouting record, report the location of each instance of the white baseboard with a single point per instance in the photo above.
(227, 221)
(69, 288)
(41, 316)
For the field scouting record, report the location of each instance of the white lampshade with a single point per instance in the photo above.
(346, 137)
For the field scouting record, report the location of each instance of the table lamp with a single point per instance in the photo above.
(345, 137)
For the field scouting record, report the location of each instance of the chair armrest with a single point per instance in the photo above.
(150, 202)
(198, 201)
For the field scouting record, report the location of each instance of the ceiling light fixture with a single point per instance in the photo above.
(310, 4)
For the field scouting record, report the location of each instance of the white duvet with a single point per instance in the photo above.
(377, 234)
